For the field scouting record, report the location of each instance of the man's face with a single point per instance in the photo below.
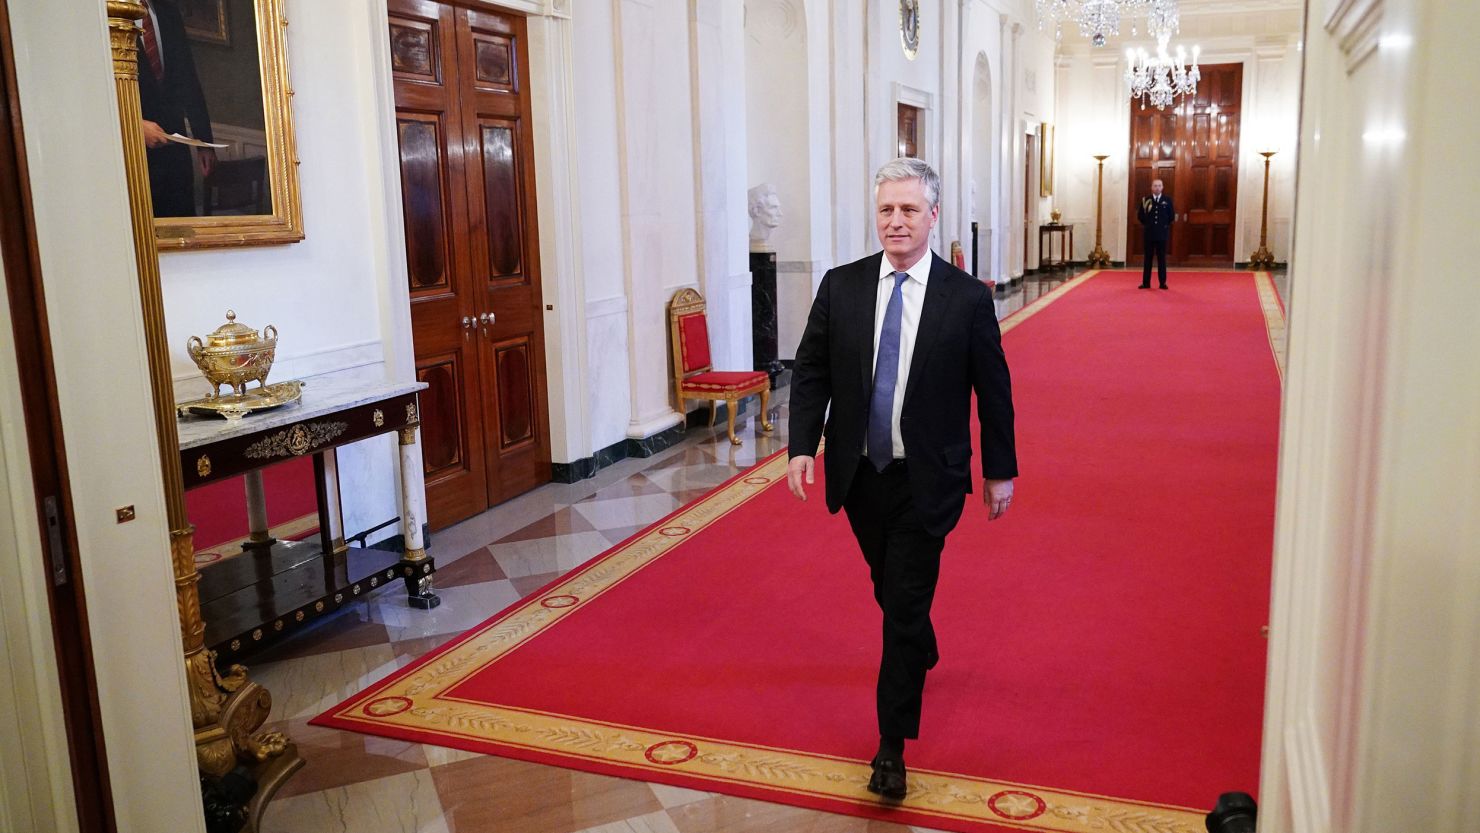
(1156, 187)
(904, 218)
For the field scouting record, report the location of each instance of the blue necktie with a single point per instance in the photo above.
(886, 377)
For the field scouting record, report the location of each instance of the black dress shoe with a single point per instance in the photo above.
(1163, 286)
(1144, 286)
(888, 778)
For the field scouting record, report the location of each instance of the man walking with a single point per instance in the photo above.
(897, 342)
(1156, 215)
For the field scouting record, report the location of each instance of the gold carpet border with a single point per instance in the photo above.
(931, 793)
(1274, 319)
(1038, 306)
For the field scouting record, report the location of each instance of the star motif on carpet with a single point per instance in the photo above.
(387, 706)
(1016, 805)
(671, 752)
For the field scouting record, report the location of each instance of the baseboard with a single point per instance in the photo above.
(397, 542)
(1245, 265)
(587, 467)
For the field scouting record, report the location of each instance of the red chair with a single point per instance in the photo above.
(694, 371)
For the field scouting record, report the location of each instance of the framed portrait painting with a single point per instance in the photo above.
(216, 103)
(205, 21)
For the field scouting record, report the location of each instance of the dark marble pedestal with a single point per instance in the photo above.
(764, 329)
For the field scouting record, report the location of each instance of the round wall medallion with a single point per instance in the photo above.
(909, 27)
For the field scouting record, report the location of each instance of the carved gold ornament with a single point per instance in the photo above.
(203, 465)
(411, 417)
(296, 441)
(378, 418)
(234, 355)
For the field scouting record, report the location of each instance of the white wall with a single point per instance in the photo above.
(82, 226)
(1373, 711)
(602, 244)
(1096, 108)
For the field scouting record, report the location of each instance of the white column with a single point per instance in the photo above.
(256, 508)
(557, 192)
(655, 152)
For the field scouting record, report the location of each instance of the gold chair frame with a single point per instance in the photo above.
(687, 302)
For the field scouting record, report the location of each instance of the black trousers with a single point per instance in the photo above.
(1158, 248)
(904, 563)
(172, 181)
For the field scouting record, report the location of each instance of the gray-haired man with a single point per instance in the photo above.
(897, 343)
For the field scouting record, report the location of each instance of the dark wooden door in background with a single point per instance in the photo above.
(1193, 148)
(462, 115)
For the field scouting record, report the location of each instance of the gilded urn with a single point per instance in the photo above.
(234, 355)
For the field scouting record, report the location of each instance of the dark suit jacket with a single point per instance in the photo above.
(958, 350)
(169, 101)
(1156, 217)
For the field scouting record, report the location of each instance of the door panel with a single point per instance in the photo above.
(501, 202)
(516, 406)
(472, 252)
(442, 440)
(438, 254)
(1211, 164)
(1193, 148)
(493, 55)
(424, 202)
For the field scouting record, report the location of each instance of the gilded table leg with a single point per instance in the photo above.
(766, 410)
(730, 407)
(415, 567)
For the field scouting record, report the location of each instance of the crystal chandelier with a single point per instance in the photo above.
(1158, 79)
(1099, 19)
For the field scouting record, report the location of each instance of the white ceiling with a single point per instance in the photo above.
(1205, 7)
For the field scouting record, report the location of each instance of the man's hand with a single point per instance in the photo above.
(796, 470)
(207, 160)
(154, 135)
(997, 496)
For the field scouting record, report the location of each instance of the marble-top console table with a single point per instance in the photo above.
(272, 587)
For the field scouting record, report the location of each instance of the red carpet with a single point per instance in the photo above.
(219, 510)
(1102, 663)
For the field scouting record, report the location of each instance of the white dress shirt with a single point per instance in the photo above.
(912, 293)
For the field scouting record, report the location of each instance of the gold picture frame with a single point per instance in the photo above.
(266, 159)
(1045, 160)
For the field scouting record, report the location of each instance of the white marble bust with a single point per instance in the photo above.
(765, 216)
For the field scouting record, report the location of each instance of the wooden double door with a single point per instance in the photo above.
(1192, 147)
(467, 180)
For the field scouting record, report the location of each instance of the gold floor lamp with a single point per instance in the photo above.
(1263, 258)
(1099, 258)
